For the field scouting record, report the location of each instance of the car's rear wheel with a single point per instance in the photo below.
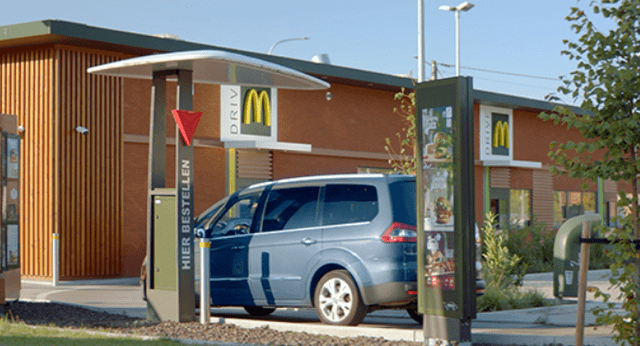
(258, 311)
(337, 300)
(415, 315)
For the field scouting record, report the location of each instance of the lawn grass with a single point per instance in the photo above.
(19, 334)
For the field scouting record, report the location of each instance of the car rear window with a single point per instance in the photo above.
(403, 199)
(349, 204)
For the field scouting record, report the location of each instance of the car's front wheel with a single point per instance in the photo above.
(413, 312)
(337, 300)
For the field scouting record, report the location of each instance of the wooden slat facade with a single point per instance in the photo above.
(500, 177)
(542, 201)
(610, 190)
(254, 164)
(71, 183)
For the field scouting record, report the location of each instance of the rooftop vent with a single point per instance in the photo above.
(171, 36)
(321, 59)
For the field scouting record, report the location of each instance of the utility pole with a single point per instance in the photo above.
(434, 70)
(421, 73)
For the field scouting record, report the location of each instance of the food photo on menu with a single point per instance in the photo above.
(439, 264)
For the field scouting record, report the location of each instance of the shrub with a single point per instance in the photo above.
(501, 268)
(534, 244)
(510, 298)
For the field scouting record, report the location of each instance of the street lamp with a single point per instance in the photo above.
(465, 6)
(285, 40)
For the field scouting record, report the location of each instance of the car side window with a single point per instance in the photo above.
(345, 203)
(291, 208)
(238, 217)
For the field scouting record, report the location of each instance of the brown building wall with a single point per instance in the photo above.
(521, 178)
(135, 207)
(90, 171)
(71, 184)
(532, 137)
(530, 147)
(29, 92)
(287, 165)
(564, 183)
(355, 118)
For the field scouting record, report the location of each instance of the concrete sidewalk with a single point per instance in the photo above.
(539, 326)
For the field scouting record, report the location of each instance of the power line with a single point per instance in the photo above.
(500, 72)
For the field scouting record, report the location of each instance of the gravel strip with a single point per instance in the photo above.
(74, 317)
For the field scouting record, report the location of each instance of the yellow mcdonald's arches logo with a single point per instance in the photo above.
(258, 103)
(501, 134)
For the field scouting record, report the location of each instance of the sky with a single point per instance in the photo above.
(521, 39)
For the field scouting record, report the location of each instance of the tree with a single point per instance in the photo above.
(607, 81)
(403, 159)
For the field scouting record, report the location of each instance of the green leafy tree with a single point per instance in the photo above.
(403, 159)
(607, 81)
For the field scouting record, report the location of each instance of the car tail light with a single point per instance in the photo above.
(400, 233)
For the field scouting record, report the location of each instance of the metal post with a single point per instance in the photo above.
(56, 259)
(600, 200)
(582, 283)
(421, 59)
(205, 296)
(434, 70)
(184, 206)
(457, 42)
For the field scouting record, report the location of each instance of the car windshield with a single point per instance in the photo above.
(204, 219)
(403, 197)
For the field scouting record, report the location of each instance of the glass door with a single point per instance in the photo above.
(500, 207)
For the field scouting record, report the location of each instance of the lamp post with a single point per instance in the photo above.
(420, 41)
(465, 6)
(286, 40)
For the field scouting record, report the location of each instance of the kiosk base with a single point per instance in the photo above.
(448, 330)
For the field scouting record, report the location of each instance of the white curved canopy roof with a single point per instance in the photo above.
(214, 67)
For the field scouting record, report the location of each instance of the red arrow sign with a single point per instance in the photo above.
(187, 122)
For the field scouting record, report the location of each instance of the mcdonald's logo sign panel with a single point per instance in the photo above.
(496, 134)
(500, 134)
(248, 113)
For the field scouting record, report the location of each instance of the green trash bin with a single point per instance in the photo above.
(566, 254)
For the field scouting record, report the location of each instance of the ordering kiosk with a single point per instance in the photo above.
(170, 266)
(10, 202)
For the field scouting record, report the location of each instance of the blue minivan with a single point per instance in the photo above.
(342, 244)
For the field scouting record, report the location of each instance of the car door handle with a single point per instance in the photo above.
(238, 248)
(309, 241)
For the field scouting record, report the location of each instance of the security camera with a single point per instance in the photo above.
(83, 130)
(20, 129)
(329, 95)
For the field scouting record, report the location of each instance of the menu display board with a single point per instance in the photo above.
(10, 201)
(438, 187)
(446, 261)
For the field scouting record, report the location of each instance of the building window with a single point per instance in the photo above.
(520, 208)
(613, 214)
(589, 202)
(512, 207)
(568, 204)
(559, 207)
